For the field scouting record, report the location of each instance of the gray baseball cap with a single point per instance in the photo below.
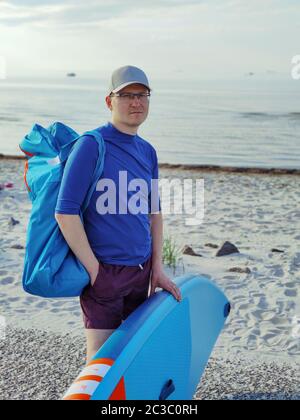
(125, 76)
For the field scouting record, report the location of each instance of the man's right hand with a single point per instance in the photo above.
(73, 231)
(94, 273)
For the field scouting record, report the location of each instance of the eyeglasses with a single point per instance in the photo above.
(127, 97)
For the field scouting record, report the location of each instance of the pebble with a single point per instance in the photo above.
(227, 249)
(214, 246)
(242, 270)
(13, 222)
(17, 247)
(187, 250)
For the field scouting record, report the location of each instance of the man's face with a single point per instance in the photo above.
(128, 111)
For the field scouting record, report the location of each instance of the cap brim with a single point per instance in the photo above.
(127, 84)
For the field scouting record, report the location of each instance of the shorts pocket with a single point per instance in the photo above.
(103, 286)
(96, 279)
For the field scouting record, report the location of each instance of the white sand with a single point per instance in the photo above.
(254, 212)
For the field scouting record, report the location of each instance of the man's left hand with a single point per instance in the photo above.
(159, 279)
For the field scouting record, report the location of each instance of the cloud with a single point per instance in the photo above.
(72, 12)
(12, 14)
(69, 14)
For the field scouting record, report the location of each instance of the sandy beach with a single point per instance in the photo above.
(258, 353)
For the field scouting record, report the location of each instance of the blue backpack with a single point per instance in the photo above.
(50, 267)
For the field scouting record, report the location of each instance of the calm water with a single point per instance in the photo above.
(243, 123)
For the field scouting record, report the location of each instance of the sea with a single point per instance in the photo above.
(245, 123)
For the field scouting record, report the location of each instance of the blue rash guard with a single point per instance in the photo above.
(118, 237)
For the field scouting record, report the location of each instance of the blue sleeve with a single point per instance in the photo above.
(154, 194)
(77, 177)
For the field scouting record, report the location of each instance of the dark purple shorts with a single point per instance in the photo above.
(116, 293)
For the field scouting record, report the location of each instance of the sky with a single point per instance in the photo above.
(177, 39)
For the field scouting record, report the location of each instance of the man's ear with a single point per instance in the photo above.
(108, 102)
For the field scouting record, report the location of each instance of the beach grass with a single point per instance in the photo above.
(171, 252)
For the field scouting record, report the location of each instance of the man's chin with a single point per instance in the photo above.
(135, 122)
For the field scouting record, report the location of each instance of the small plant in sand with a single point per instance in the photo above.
(171, 253)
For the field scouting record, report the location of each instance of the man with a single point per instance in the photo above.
(121, 251)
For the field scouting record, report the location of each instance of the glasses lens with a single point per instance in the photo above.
(130, 96)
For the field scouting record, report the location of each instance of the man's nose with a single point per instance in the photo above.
(136, 100)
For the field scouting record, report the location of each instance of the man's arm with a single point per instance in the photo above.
(76, 181)
(157, 240)
(159, 279)
(74, 234)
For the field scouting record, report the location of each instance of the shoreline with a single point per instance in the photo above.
(38, 365)
(203, 168)
(230, 169)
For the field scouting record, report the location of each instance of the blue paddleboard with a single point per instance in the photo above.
(161, 350)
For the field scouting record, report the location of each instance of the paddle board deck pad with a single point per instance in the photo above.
(161, 350)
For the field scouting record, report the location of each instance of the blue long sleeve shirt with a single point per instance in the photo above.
(117, 233)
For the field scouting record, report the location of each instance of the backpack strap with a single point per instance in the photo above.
(94, 133)
(99, 167)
